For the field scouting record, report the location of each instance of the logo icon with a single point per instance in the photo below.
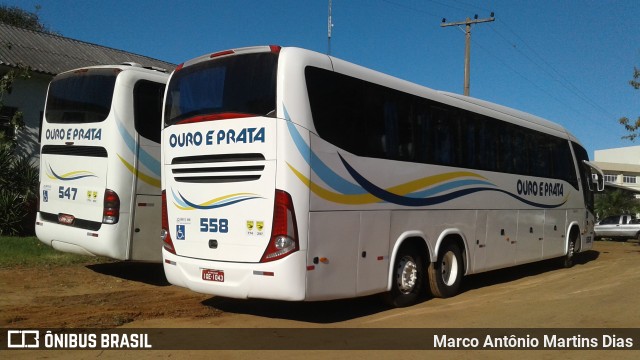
(249, 225)
(23, 339)
(180, 232)
(45, 195)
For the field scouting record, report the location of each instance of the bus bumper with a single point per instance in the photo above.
(110, 241)
(283, 279)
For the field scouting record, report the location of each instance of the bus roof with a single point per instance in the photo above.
(123, 67)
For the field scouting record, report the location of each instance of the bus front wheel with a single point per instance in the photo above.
(569, 259)
(445, 275)
(408, 278)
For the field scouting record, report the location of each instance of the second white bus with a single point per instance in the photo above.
(99, 162)
(293, 175)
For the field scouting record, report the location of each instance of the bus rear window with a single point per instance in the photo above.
(82, 96)
(242, 84)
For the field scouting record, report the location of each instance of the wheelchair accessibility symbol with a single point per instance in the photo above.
(180, 232)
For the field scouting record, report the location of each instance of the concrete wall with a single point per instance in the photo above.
(625, 155)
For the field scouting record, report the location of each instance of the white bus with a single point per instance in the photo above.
(293, 175)
(100, 162)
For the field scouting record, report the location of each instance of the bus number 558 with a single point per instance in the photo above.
(214, 225)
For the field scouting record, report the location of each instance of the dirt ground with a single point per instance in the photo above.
(601, 291)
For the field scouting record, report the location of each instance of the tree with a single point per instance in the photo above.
(19, 176)
(18, 193)
(615, 202)
(14, 16)
(632, 127)
(6, 85)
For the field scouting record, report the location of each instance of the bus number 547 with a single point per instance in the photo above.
(67, 192)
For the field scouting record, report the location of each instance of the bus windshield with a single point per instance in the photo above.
(82, 96)
(244, 84)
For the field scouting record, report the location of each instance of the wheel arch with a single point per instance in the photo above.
(457, 236)
(573, 230)
(409, 238)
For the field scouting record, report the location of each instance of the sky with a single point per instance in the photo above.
(568, 61)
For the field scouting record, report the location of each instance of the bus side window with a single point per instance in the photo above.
(391, 143)
(441, 137)
(147, 107)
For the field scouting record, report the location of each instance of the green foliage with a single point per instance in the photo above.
(6, 85)
(615, 202)
(636, 75)
(15, 16)
(29, 251)
(24, 177)
(18, 176)
(12, 212)
(18, 193)
(633, 127)
(6, 159)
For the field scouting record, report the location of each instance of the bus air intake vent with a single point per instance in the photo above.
(214, 169)
(74, 150)
(216, 158)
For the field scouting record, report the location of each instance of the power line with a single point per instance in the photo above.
(448, 5)
(413, 9)
(540, 88)
(554, 74)
(536, 59)
(474, 6)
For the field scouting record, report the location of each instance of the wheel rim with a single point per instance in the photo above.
(572, 249)
(449, 268)
(408, 275)
(570, 252)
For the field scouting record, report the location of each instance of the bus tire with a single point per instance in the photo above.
(408, 278)
(568, 259)
(445, 275)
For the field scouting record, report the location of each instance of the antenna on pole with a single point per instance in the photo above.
(329, 27)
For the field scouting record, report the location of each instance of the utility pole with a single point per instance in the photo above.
(467, 49)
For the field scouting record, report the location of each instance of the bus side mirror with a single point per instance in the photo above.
(598, 180)
(597, 176)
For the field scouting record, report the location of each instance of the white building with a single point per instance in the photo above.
(621, 166)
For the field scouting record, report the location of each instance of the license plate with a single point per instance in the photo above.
(66, 219)
(213, 275)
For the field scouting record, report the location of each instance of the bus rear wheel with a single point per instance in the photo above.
(445, 275)
(408, 278)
